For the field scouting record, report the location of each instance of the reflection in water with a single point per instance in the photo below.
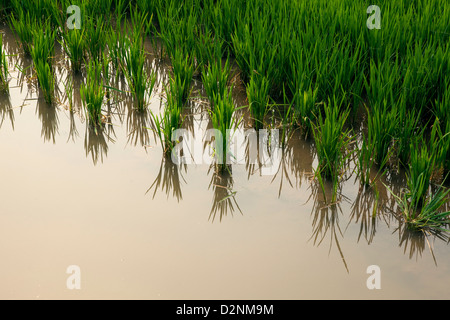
(168, 179)
(296, 162)
(6, 110)
(364, 212)
(326, 220)
(95, 143)
(138, 123)
(49, 117)
(224, 200)
(415, 242)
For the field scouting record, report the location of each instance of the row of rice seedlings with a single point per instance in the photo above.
(4, 69)
(92, 93)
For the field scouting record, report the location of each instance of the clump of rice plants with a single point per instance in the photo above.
(171, 119)
(138, 78)
(183, 68)
(92, 93)
(95, 38)
(381, 126)
(332, 141)
(216, 78)
(4, 70)
(41, 53)
(223, 120)
(23, 26)
(258, 98)
(74, 46)
(419, 207)
(305, 108)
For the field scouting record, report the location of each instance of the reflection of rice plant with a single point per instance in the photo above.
(92, 93)
(3, 67)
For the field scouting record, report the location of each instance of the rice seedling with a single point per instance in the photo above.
(258, 99)
(92, 94)
(223, 120)
(138, 78)
(42, 53)
(366, 162)
(95, 38)
(46, 79)
(23, 26)
(183, 68)
(305, 108)
(332, 140)
(381, 126)
(74, 46)
(215, 80)
(4, 70)
(171, 119)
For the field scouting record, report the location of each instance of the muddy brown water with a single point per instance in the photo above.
(140, 227)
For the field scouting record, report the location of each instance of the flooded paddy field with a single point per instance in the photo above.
(107, 200)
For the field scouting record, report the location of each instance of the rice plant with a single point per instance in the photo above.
(183, 68)
(258, 99)
(171, 119)
(305, 108)
(4, 70)
(42, 53)
(223, 120)
(95, 38)
(332, 140)
(75, 46)
(139, 80)
(216, 79)
(92, 94)
(23, 26)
